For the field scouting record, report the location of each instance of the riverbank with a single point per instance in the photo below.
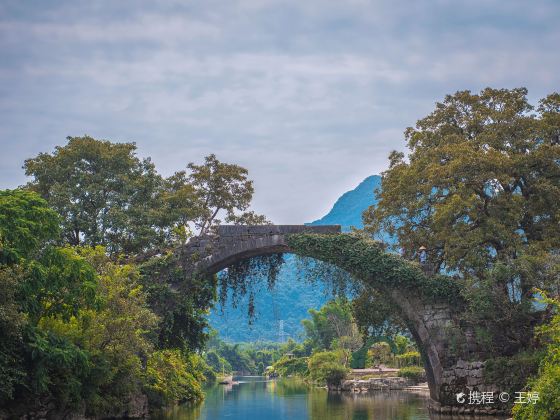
(135, 408)
(372, 372)
(389, 383)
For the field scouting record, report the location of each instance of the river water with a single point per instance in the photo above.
(256, 398)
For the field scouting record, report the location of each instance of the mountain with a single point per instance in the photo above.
(348, 209)
(291, 297)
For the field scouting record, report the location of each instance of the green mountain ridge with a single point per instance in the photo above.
(347, 210)
(291, 297)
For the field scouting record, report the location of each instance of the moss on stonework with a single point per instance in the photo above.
(366, 260)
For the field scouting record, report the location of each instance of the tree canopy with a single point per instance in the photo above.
(331, 322)
(26, 222)
(480, 186)
(105, 194)
(222, 187)
(108, 196)
(82, 323)
(75, 326)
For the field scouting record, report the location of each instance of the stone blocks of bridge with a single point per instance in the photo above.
(232, 243)
(239, 231)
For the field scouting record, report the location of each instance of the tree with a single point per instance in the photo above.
(348, 343)
(170, 378)
(547, 383)
(375, 315)
(222, 188)
(404, 345)
(379, 353)
(238, 358)
(480, 192)
(50, 280)
(183, 205)
(217, 363)
(480, 187)
(105, 194)
(291, 366)
(108, 196)
(333, 321)
(26, 223)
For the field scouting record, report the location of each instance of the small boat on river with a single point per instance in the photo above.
(227, 380)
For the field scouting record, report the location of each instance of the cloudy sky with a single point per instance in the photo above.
(309, 95)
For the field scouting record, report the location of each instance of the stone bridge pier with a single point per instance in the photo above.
(453, 360)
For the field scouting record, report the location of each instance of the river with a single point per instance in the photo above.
(256, 398)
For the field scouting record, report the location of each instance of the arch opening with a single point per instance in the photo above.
(429, 303)
(271, 243)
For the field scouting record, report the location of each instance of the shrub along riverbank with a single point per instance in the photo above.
(78, 334)
(90, 319)
(333, 345)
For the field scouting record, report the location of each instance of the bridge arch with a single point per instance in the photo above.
(428, 304)
(235, 243)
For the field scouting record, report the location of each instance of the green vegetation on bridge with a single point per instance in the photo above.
(366, 259)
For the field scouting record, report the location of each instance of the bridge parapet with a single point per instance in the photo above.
(241, 230)
(233, 243)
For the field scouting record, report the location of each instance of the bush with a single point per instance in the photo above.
(547, 382)
(334, 374)
(294, 366)
(379, 353)
(217, 363)
(325, 367)
(411, 358)
(510, 373)
(171, 378)
(416, 373)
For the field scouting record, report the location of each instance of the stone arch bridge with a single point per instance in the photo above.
(454, 362)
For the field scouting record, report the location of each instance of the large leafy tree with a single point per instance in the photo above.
(480, 189)
(183, 205)
(108, 196)
(105, 194)
(224, 189)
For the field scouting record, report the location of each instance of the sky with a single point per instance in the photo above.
(309, 95)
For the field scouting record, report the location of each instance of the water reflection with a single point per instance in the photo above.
(378, 405)
(256, 398)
